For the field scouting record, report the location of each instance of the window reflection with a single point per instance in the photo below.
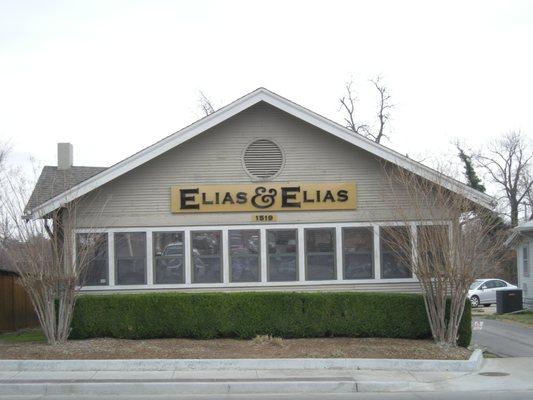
(169, 257)
(130, 257)
(320, 254)
(245, 255)
(207, 257)
(282, 255)
(358, 249)
(393, 266)
(91, 255)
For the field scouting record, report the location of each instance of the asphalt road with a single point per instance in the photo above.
(504, 339)
(477, 395)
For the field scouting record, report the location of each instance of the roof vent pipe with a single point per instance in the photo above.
(64, 156)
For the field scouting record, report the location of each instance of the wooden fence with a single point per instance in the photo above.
(16, 310)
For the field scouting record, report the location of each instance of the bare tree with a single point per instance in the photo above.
(5, 226)
(348, 103)
(383, 108)
(455, 240)
(42, 252)
(206, 105)
(508, 162)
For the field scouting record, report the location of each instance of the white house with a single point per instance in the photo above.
(523, 242)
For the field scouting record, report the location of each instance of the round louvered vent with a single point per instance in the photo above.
(263, 159)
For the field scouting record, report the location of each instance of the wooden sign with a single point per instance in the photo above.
(292, 196)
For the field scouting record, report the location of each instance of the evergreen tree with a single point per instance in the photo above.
(471, 177)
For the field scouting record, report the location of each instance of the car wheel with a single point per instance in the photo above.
(486, 305)
(474, 301)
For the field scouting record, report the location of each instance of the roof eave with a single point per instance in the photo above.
(234, 108)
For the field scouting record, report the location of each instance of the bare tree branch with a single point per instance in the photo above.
(348, 104)
(205, 104)
(508, 163)
(383, 108)
(42, 253)
(455, 242)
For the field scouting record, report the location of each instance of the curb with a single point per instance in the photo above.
(171, 388)
(472, 364)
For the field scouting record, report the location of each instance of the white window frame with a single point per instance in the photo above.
(224, 257)
(151, 264)
(335, 230)
(149, 282)
(267, 259)
(340, 247)
(259, 256)
(262, 228)
(525, 260)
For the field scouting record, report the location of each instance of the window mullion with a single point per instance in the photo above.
(149, 259)
(339, 255)
(188, 251)
(263, 251)
(111, 258)
(225, 257)
(377, 253)
(301, 255)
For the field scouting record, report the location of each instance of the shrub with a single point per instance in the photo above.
(249, 314)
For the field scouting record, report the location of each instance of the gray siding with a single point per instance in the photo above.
(142, 196)
(403, 287)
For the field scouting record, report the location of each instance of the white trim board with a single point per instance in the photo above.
(245, 102)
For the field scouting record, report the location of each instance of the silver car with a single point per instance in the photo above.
(483, 291)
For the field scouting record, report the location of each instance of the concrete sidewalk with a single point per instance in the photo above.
(510, 373)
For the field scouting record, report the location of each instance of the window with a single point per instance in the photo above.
(393, 266)
(206, 257)
(320, 254)
(525, 261)
(358, 253)
(490, 284)
(91, 255)
(245, 255)
(475, 285)
(433, 243)
(130, 258)
(169, 257)
(282, 255)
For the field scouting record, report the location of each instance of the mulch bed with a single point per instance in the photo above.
(261, 347)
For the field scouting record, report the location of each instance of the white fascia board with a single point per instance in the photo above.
(379, 150)
(236, 107)
(526, 226)
(145, 155)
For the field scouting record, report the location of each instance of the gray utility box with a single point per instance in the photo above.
(508, 300)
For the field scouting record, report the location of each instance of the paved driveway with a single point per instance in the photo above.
(504, 339)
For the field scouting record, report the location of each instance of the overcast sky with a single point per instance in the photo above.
(112, 77)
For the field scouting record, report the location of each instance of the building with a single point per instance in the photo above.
(260, 195)
(522, 240)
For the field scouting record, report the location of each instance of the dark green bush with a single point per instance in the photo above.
(245, 315)
(465, 327)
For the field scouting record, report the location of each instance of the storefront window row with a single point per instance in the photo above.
(236, 256)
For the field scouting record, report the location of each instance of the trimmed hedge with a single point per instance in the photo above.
(245, 315)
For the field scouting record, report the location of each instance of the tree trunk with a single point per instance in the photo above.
(514, 213)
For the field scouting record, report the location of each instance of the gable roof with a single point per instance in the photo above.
(52, 182)
(232, 109)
